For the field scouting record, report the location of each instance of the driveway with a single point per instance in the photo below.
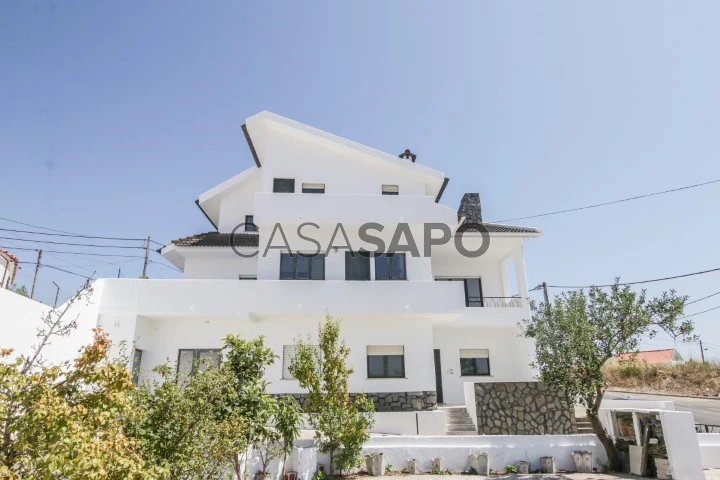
(705, 410)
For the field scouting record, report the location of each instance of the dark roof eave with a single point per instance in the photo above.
(250, 144)
(442, 190)
(197, 202)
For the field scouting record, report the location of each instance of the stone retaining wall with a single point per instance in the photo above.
(389, 401)
(523, 408)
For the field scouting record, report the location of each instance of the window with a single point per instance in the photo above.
(390, 190)
(302, 267)
(137, 361)
(288, 353)
(386, 361)
(191, 361)
(247, 277)
(284, 185)
(357, 266)
(473, 292)
(313, 188)
(250, 223)
(390, 266)
(474, 362)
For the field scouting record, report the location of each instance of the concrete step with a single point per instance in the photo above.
(464, 432)
(461, 426)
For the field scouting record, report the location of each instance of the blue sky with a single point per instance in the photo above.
(115, 116)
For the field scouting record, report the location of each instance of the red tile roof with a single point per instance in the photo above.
(649, 356)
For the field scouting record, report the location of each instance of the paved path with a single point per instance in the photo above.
(705, 410)
(709, 475)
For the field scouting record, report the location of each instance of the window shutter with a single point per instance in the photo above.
(288, 353)
(474, 353)
(385, 350)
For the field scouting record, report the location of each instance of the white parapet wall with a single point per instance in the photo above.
(470, 403)
(709, 444)
(410, 423)
(502, 450)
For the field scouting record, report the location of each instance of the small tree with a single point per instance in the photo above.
(66, 420)
(20, 290)
(287, 425)
(341, 425)
(577, 333)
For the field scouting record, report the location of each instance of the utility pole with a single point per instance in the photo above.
(147, 257)
(702, 352)
(119, 272)
(37, 270)
(57, 293)
(547, 299)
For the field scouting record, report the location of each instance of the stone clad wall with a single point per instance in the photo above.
(523, 408)
(389, 401)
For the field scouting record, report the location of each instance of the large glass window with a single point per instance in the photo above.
(474, 362)
(191, 361)
(284, 185)
(357, 266)
(390, 266)
(302, 267)
(386, 361)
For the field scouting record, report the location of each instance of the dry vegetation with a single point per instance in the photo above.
(691, 378)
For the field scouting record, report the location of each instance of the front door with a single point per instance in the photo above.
(438, 377)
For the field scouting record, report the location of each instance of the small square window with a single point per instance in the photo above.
(284, 185)
(390, 190)
(313, 188)
(390, 266)
(474, 362)
(357, 266)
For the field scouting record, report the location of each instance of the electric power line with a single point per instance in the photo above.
(72, 235)
(637, 197)
(703, 298)
(573, 287)
(66, 243)
(698, 313)
(75, 253)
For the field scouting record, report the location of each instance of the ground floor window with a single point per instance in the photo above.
(137, 360)
(474, 362)
(386, 361)
(191, 361)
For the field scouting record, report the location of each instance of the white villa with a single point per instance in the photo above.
(420, 317)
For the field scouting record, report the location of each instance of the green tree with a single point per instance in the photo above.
(188, 428)
(287, 424)
(577, 333)
(341, 424)
(66, 420)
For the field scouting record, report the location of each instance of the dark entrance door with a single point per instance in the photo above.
(438, 377)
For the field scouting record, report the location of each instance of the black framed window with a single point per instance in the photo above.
(473, 292)
(357, 266)
(474, 362)
(390, 266)
(302, 267)
(193, 360)
(386, 361)
(250, 223)
(284, 185)
(390, 190)
(313, 188)
(137, 361)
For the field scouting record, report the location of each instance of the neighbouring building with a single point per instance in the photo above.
(8, 267)
(668, 356)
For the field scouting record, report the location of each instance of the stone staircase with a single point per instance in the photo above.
(583, 425)
(458, 421)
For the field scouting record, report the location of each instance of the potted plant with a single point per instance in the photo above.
(267, 453)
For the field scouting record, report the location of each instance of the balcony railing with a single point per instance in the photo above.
(493, 302)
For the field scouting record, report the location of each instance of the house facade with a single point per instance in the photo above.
(323, 225)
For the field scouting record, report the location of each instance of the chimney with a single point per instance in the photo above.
(470, 208)
(408, 155)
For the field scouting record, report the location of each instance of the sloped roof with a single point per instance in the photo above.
(215, 239)
(649, 356)
(500, 228)
(9, 255)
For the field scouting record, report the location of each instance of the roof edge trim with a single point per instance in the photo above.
(197, 202)
(250, 144)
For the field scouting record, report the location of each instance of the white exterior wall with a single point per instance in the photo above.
(509, 357)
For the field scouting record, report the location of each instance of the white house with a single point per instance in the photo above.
(418, 326)
(420, 316)
(8, 267)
